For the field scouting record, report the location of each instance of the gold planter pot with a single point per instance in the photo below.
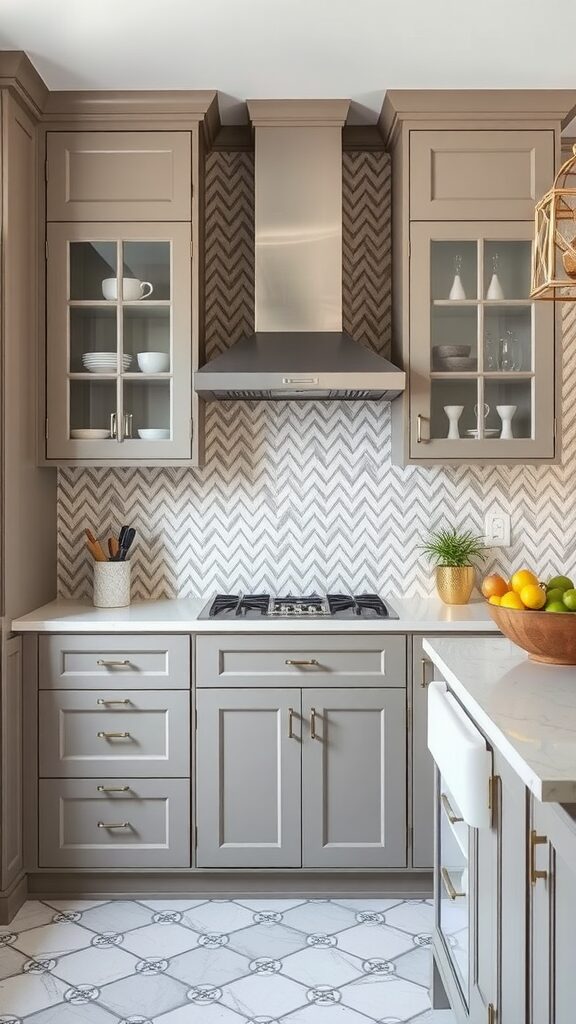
(455, 583)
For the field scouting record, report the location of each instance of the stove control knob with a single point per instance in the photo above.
(311, 609)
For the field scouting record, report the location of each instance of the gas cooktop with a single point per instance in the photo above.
(292, 606)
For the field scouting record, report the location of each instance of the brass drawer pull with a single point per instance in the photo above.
(423, 680)
(419, 438)
(101, 701)
(313, 723)
(300, 664)
(112, 664)
(536, 840)
(113, 789)
(290, 723)
(113, 824)
(452, 893)
(452, 817)
(113, 735)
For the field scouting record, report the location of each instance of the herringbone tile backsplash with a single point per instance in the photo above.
(302, 495)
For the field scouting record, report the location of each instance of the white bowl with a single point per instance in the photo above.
(89, 434)
(154, 434)
(153, 362)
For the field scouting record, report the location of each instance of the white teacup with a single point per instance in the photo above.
(132, 289)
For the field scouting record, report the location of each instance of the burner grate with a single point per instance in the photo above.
(254, 603)
(223, 603)
(372, 603)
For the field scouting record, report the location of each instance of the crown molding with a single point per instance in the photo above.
(298, 113)
(473, 105)
(134, 105)
(18, 74)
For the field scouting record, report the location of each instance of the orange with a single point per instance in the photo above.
(495, 599)
(533, 596)
(494, 586)
(521, 579)
(511, 600)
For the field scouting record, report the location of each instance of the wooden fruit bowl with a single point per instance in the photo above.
(549, 637)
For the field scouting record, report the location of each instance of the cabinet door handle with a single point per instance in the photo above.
(113, 789)
(300, 664)
(113, 426)
(419, 438)
(112, 664)
(452, 817)
(127, 425)
(313, 723)
(452, 893)
(114, 824)
(536, 840)
(290, 723)
(113, 735)
(104, 702)
(423, 680)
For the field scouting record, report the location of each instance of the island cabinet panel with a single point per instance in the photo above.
(354, 783)
(249, 778)
(305, 660)
(119, 176)
(466, 175)
(552, 941)
(422, 764)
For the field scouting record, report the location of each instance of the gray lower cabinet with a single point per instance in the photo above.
(354, 783)
(552, 936)
(114, 823)
(248, 768)
(138, 662)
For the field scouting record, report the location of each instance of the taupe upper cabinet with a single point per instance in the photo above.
(468, 169)
(109, 176)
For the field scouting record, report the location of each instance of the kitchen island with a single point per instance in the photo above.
(504, 941)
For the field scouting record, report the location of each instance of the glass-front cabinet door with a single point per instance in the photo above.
(119, 342)
(481, 352)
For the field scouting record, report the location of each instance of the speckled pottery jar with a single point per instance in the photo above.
(455, 583)
(111, 584)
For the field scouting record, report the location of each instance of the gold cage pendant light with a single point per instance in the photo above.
(554, 256)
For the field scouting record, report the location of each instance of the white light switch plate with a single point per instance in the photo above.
(497, 529)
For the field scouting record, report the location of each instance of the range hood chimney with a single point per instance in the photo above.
(299, 349)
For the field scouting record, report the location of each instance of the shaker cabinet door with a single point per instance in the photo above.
(354, 778)
(249, 778)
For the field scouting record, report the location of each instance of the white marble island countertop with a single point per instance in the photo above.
(415, 615)
(527, 710)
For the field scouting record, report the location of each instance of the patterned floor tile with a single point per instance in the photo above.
(190, 1014)
(64, 1013)
(366, 905)
(31, 915)
(218, 917)
(26, 993)
(267, 939)
(178, 905)
(75, 906)
(264, 995)
(412, 917)
(312, 966)
(97, 965)
(209, 966)
(314, 1014)
(11, 961)
(373, 939)
(148, 995)
(117, 916)
(160, 940)
(276, 905)
(53, 939)
(319, 917)
(388, 997)
(415, 965)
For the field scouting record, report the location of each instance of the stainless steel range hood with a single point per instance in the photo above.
(299, 349)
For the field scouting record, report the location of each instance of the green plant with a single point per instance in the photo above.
(449, 547)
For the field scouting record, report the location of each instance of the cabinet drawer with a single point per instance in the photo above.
(154, 816)
(123, 662)
(105, 176)
(479, 175)
(325, 660)
(89, 734)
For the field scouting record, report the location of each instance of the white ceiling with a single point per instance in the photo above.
(290, 48)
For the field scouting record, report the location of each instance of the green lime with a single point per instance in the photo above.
(556, 606)
(560, 583)
(556, 594)
(569, 599)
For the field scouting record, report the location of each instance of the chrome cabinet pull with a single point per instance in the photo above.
(452, 817)
(313, 723)
(290, 723)
(113, 789)
(423, 680)
(452, 893)
(114, 824)
(127, 425)
(103, 702)
(301, 664)
(113, 426)
(112, 664)
(536, 840)
(419, 438)
(113, 735)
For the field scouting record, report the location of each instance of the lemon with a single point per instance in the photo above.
(511, 600)
(521, 579)
(495, 599)
(533, 596)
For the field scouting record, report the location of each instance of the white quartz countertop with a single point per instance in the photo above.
(527, 710)
(416, 615)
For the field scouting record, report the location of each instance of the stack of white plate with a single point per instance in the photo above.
(104, 362)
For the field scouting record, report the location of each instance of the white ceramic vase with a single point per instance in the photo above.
(495, 293)
(506, 413)
(457, 292)
(111, 584)
(453, 413)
